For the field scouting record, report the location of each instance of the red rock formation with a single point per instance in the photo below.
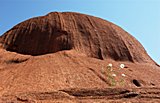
(64, 31)
(72, 72)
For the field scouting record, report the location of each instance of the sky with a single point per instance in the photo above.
(141, 18)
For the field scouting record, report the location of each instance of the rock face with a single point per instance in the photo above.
(73, 71)
(90, 35)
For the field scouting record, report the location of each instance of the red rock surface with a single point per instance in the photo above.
(92, 36)
(63, 57)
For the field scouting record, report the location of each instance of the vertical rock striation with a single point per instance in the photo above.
(90, 35)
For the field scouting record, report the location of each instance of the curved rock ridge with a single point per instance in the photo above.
(86, 34)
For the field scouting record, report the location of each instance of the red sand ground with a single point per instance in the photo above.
(63, 57)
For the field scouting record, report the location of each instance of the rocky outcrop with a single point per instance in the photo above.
(90, 35)
(70, 73)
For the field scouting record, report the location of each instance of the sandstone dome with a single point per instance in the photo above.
(63, 57)
(90, 35)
